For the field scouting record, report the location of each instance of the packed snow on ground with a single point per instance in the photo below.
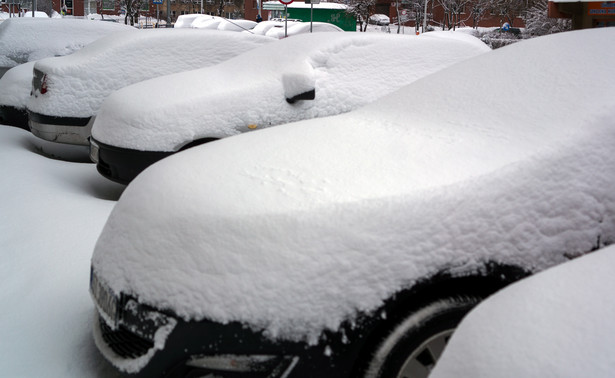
(25, 39)
(78, 83)
(295, 228)
(558, 323)
(250, 90)
(52, 212)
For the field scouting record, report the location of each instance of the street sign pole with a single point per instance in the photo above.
(286, 2)
(311, 15)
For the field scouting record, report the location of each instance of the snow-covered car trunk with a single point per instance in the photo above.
(76, 85)
(300, 230)
(307, 76)
(15, 88)
(24, 39)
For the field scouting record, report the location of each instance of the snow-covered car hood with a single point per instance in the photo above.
(77, 84)
(15, 86)
(250, 91)
(25, 39)
(296, 228)
(556, 324)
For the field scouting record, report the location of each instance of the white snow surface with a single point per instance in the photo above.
(51, 214)
(78, 83)
(296, 228)
(25, 39)
(557, 323)
(248, 91)
(15, 85)
(302, 27)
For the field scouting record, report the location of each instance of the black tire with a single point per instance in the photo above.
(413, 346)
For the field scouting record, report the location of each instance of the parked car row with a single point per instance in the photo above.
(353, 245)
(397, 191)
(23, 41)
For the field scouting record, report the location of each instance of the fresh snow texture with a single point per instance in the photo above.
(296, 228)
(77, 84)
(249, 91)
(302, 27)
(51, 214)
(15, 86)
(26, 39)
(558, 323)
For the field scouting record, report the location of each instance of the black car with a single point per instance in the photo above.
(352, 246)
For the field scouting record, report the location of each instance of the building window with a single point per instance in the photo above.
(108, 4)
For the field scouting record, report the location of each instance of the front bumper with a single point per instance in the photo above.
(69, 130)
(146, 342)
(12, 116)
(122, 165)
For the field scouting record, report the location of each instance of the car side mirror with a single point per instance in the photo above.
(309, 95)
(299, 86)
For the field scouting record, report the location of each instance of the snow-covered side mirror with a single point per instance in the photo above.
(299, 86)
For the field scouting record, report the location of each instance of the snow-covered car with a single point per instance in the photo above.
(300, 28)
(264, 26)
(309, 75)
(557, 323)
(68, 91)
(203, 21)
(379, 19)
(351, 246)
(24, 39)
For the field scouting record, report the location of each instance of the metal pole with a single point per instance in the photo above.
(33, 7)
(285, 21)
(311, 15)
(201, 6)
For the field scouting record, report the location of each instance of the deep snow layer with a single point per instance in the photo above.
(51, 214)
(25, 39)
(557, 323)
(296, 228)
(78, 83)
(249, 91)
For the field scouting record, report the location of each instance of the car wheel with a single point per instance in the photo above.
(414, 345)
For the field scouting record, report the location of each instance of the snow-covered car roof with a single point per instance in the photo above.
(36, 14)
(302, 27)
(556, 324)
(185, 20)
(77, 84)
(251, 90)
(296, 228)
(203, 21)
(26, 39)
(264, 26)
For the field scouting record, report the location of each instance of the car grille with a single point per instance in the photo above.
(124, 343)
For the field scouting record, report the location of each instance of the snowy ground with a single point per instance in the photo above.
(52, 213)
